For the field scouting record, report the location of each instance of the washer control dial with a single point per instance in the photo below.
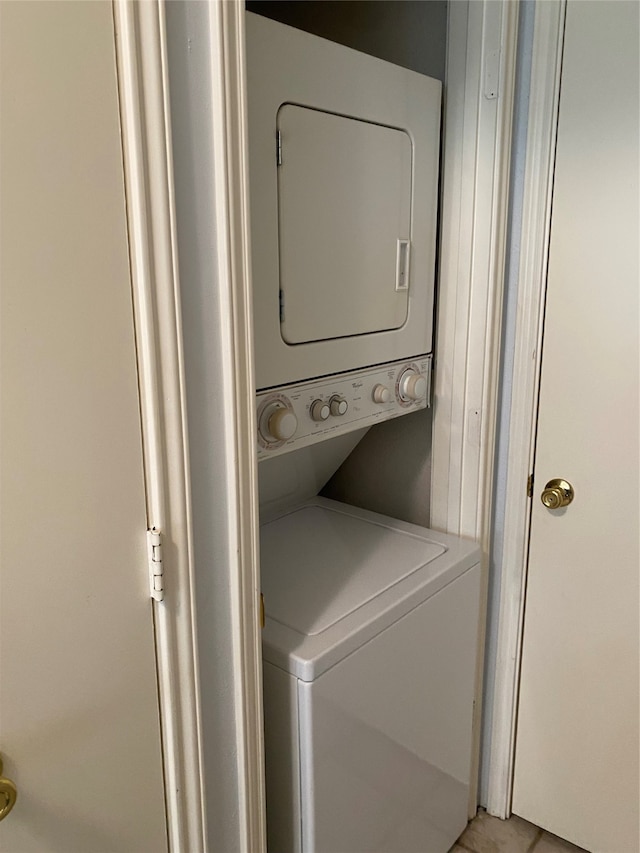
(381, 394)
(338, 405)
(319, 410)
(412, 385)
(277, 422)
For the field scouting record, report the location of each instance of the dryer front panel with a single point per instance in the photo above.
(343, 162)
(344, 223)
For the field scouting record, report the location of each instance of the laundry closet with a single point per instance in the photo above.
(370, 637)
(369, 642)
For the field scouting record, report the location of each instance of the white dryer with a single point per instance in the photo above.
(343, 163)
(369, 657)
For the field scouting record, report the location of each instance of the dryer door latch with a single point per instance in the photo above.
(402, 265)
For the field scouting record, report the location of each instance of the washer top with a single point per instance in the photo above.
(320, 565)
(334, 576)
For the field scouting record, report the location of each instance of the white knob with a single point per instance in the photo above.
(381, 394)
(278, 423)
(320, 411)
(413, 386)
(338, 405)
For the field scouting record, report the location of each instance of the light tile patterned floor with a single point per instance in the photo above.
(486, 834)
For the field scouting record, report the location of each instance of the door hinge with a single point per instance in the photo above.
(530, 486)
(156, 568)
(278, 148)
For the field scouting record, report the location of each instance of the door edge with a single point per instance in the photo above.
(534, 236)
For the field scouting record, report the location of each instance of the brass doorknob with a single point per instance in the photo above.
(8, 794)
(557, 493)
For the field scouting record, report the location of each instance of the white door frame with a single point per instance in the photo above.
(479, 106)
(233, 243)
(141, 61)
(145, 111)
(202, 65)
(144, 89)
(532, 273)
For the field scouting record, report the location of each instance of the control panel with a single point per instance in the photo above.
(303, 413)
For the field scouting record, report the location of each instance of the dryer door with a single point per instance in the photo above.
(344, 216)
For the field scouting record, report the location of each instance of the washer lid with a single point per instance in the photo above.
(319, 565)
(334, 576)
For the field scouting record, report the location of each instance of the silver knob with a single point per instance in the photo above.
(413, 386)
(278, 423)
(381, 394)
(319, 410)
(338, 405)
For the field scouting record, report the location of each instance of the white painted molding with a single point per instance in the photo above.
(474, 210)
(536, 220)
(143, 90)
(472, 255)
(229, 114)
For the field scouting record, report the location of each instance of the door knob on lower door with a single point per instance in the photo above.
(8, 794)
(557, 493)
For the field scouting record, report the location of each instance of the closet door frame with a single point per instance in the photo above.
(478, 118)
(143, 82)
(482, 42)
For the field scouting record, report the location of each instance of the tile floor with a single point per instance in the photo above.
(486, 834)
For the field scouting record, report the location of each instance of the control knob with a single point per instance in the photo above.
(338, 405)
(413, 386)
(381, 394)
(277, 422)
(319, 410)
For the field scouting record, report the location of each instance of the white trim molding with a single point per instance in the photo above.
(477, 131)
(143, 91)
(229, 113)
(209, 133)
(482, 42)
(536, 221)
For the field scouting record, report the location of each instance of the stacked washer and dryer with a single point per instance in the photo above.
(370, 641)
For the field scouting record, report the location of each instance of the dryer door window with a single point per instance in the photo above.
(344, 210)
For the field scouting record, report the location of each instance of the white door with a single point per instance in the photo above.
(79, 722)
(577, 747)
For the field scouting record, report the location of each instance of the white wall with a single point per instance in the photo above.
(390, 470)
(411, 33)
